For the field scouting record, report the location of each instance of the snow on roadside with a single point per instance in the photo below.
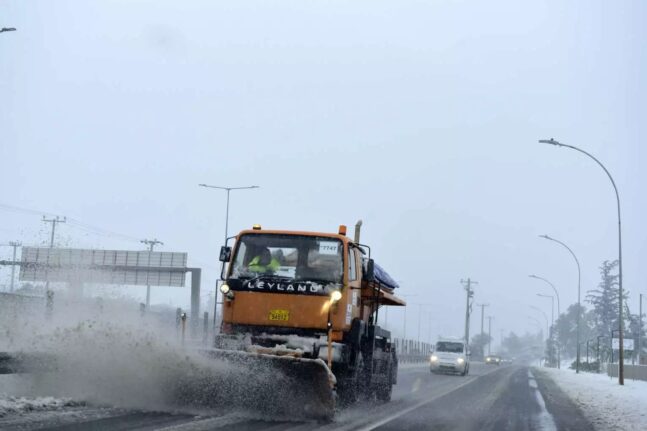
(604, 402)
(19, 405)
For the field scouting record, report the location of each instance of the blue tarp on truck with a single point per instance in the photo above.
(383, 277)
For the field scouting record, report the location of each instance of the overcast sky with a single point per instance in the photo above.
(419, 117)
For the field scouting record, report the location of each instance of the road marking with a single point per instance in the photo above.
(204, 424)
(400, 413)
(545, 420)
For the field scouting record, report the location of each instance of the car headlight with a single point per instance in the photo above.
(224, 288)
(434, 358)
(335, 296)
(460, 360)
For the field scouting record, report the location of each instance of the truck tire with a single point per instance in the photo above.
(385, 390)
(351, 386)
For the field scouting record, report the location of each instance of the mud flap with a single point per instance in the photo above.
(262, 383)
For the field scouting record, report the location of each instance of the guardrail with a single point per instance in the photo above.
(632, 372)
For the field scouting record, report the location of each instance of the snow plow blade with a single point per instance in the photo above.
(264, 383)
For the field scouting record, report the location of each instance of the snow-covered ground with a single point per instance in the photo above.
(608, 405)
(10, 404)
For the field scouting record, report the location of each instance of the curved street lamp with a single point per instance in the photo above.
(545, 318)
(552, 327)
(228, 190)
(558, 312)
(621, 377)
(579, 296)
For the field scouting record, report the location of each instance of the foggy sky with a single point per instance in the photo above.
(420, 118)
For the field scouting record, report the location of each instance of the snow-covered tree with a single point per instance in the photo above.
(566, 326)
(604, 299)
(477, 346)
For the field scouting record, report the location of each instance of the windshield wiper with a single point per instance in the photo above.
(268, 276)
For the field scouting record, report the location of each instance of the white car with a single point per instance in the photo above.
(450, 356)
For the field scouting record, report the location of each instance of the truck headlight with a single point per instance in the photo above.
(460, 360)
(224, 288)
(433, 358)
(335, 296)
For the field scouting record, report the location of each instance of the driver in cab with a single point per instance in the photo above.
(264, 262)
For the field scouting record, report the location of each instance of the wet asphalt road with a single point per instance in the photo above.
(489, 398)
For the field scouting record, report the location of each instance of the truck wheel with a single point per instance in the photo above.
(384, 390)
(351, 385)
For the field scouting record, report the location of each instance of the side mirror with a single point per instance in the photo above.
(370, 270)
(225, 253)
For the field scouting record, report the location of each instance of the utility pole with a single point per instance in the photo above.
(469, 294)
(489, 332)
(53, 221)
(151, 243)
(15, 245)
(482, 315)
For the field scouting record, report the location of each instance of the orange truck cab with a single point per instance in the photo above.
(314, 296)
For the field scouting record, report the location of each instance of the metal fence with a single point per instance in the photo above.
(632, 372)
(412, 350)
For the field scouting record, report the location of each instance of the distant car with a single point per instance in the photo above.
(450, 356)
(493, 360)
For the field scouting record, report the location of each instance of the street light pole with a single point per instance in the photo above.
(640, 329)
(621, 376)
(552, 323)
(489, 333)
(559, 349)
(579, 297)
(543, 314)
(404, 321)
(228, 190)
(420, 318)
(482, 315)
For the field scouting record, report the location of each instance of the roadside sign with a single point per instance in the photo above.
(125, 267)
(628, 343)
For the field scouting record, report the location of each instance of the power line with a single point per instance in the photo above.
(71, 221)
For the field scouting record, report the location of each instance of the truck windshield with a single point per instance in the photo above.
(443, 346)
(293, 257)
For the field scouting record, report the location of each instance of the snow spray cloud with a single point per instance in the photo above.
(106, 353)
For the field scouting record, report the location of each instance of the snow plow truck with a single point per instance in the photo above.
(300, 313)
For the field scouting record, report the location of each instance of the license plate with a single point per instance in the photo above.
(283, 315)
